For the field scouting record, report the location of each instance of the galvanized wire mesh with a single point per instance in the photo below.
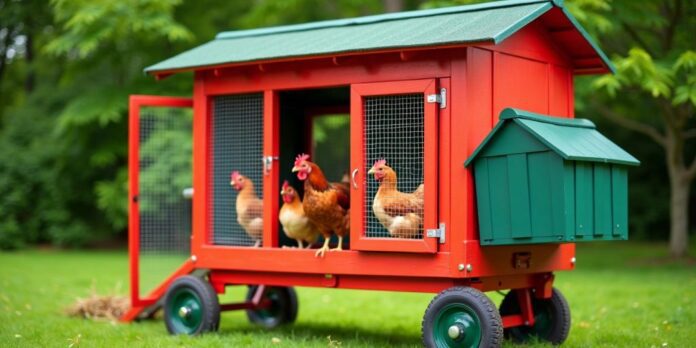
(236, 145)
(394, 130)
(165, 154)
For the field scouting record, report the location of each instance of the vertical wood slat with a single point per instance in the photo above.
(619, 193)
(520, 219)
(540, 193)
(569, 200)
(500, 193)
(602, 200)
(483, 201)
(583, 199)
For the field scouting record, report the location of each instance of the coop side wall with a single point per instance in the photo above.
(527, 71)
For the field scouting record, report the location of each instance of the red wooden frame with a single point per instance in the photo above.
(357, 214)
(135, 103)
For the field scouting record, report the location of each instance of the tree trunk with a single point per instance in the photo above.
(679, 209)
(29, 58)
(393, 5)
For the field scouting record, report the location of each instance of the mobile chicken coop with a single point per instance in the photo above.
(455, 99)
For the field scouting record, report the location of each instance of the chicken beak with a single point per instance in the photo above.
(295, 169)
(371, 171)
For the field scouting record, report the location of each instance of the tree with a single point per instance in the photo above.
(654, 89)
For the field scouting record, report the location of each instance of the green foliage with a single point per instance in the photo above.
(638, 69)
(31, 202)
(88, 24)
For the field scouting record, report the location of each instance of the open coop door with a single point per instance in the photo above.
(394, 166)
(160, 210)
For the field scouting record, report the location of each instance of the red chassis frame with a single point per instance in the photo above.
(460, 261)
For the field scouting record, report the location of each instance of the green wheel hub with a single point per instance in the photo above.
(457, 325)
(187, 310)
(274, 309)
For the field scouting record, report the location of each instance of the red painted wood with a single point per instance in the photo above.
(326, 75)
(221, 278)
(200, 166)
(525, 300)
(560, 79)
(444, 162)
(133, 210)
(136, 103)
(519, 83)
(340, 262)
(498, 260)
(358, 239)
(512, 320)
(271, 187)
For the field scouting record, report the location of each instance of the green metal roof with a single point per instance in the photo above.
(488, 22)
(572, 139)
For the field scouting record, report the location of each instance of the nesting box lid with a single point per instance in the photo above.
(490, 22)
(572, 139)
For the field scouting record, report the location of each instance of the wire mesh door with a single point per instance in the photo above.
(394, 132)
(236, 169)
(160, 170)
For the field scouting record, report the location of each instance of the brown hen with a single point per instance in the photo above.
(325, 204)
(400, 213)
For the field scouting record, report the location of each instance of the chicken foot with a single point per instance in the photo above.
(323, 249)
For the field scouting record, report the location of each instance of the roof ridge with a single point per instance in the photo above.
(332, 23)
(512, 113)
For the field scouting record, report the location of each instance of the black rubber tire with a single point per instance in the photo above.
(284, 307)
(210, 305)
(490, 322)
(557, 310)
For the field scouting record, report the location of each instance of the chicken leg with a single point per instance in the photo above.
(340, 244)
(323, 249)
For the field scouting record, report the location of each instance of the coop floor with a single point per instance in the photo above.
(621, 294)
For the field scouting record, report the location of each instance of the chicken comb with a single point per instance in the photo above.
(301, 158)
(286, 185)
(234, 175)
(380, 162)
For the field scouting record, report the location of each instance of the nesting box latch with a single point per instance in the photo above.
(437, 233)
(439, 98)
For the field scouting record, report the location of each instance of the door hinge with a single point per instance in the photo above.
(439, 98)
(437, 233)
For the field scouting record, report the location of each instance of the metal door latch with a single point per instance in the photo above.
(437, 233)
(268, 164)
(439, 98)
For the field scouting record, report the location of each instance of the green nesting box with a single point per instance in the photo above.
(542, 179)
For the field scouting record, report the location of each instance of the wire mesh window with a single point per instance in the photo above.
(165, 153)
(394, 132)
(237, 170)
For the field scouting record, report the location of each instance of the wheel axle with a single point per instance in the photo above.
(455, 331)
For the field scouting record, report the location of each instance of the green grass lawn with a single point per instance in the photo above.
(622, 294)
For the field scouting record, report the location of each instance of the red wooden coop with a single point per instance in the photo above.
(422, 90)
